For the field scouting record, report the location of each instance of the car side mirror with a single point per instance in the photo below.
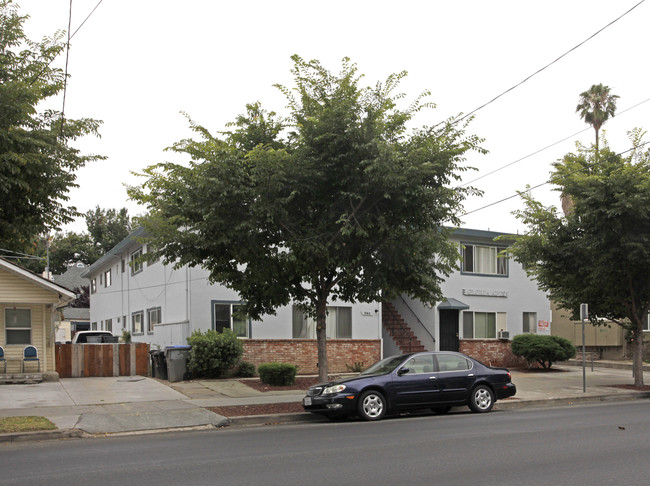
(402, 371)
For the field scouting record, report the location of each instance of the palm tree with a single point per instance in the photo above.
(596, 106)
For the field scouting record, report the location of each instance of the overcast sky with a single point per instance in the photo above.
(137, 64)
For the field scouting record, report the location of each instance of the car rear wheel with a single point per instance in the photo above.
(372, 405)
(482, 399)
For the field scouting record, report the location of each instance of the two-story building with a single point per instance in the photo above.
(489, 300)
(161, 305)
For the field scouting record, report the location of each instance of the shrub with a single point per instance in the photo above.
(213, 353)
(126, 336)
(542, 349)
(277, 374)
(245, 370)
(357, 367)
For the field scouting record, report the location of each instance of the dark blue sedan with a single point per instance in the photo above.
(435, 380)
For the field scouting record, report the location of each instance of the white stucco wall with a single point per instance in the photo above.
(186, 300)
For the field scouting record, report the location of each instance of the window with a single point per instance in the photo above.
(225, 317)
(530, 322)
(422, 363)
(93, 326)
(153, 318)
(109, 325)
(338, 324)
(646, 324)
(484, 260)
(93, 286)
(123, 265)
(152, 249)
(107, 278)
(483, 325)
(452, 362)
(136, 323)
(136, 261)
(18, 326)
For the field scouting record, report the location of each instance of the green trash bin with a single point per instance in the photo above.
(177, 358)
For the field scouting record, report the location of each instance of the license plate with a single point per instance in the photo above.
(306, 401)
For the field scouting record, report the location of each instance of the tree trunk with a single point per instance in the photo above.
(321, 339)
(638, 354)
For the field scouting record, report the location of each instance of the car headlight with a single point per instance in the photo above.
(333, 389)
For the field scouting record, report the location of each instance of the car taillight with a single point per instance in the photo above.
(509, 376)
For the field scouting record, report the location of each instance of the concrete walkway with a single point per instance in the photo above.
(82, 406)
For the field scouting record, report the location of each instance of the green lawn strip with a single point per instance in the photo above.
(24, 424)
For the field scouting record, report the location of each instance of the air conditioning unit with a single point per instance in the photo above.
(504, 335)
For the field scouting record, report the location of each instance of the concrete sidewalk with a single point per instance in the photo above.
(82, 406)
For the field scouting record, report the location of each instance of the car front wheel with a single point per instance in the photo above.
(372, 405)
(482, 399)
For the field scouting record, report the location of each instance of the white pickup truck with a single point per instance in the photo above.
(95, 337)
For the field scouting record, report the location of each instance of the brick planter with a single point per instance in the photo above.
(491, 352)
(304, 353)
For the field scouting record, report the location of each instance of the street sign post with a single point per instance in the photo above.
(584, 313)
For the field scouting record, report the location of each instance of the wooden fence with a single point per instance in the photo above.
(83, 360)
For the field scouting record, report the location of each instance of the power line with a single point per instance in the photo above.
(549, 64)
(544, 148)
(548, 182)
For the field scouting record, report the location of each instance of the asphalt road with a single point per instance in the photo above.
(597, 444)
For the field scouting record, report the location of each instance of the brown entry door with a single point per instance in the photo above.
(449, 330)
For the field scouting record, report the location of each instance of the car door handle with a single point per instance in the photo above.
(432, 377)
(471, 374)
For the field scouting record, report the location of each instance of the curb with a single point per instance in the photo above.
(307, 418)
(42, 435)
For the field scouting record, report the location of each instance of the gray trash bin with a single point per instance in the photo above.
(177, 358)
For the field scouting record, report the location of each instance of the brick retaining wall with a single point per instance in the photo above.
(491, 352)
(304, 353)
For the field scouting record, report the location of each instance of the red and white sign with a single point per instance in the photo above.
(543, 327)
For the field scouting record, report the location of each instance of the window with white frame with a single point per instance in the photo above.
(338, 324)
(136, 261)
(136, 322)
(93, 286)
(484, 260)
(483, 325)
(108, 278)
(646, 324)
(530, 322)
(153, 318)
(225, 316)
(18, 326)
(109, 325)
(152, 249)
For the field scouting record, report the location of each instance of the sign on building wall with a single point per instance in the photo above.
(544, 327)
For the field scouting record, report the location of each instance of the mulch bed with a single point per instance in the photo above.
(301, 384)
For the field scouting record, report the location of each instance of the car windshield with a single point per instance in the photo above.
(384, 366)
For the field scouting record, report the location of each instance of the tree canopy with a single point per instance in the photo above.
(106, 228)
(37, 161)
(338, 200)
(596, 105)
(599, 252)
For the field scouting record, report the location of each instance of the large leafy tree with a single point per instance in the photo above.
(37, 161)
(337, 201)
(107, 227)
(598, 253)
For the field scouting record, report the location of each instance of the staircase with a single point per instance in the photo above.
(399, 330)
